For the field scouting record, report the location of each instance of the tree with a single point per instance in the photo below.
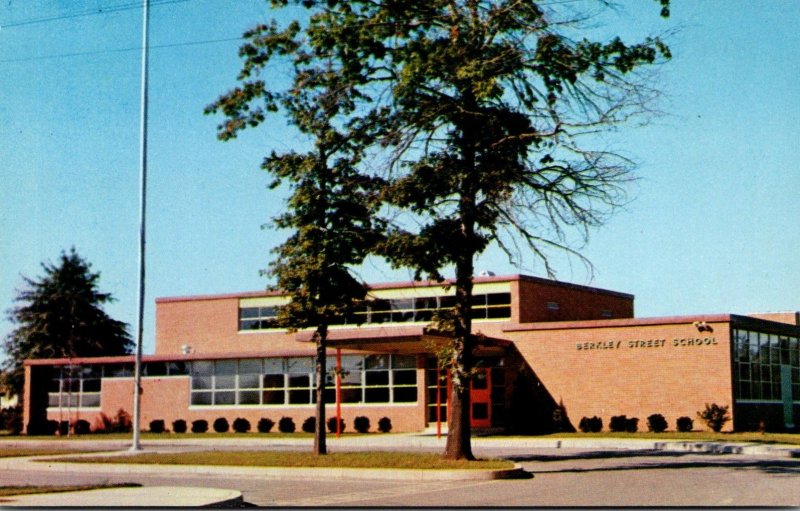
(331, 208)
(61, 315)
(490, 115)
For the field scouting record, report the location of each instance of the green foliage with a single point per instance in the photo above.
(656, 423)
(482, 117)
(385, 425)
(199, 426)
(81, 427)
(684, 424)
(179, 426)
(61, 315)
(157, 426)
(265, 425)
(309, 425)
(591, 425)
(332, 425)
(361, 424)
(286, 425)
(714, 416)
(241, 425)
(221, 425)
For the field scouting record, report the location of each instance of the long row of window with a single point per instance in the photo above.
(400, 310)
(758, 360)
(290, 381)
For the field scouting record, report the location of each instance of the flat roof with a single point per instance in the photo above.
(404, 285)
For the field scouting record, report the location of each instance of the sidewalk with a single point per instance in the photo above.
(143, 497)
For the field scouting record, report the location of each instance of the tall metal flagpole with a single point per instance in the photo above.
(137, 371)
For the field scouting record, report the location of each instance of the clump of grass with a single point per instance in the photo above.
(372, 459)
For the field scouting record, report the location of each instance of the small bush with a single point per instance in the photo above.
(63, 428)
(265, 425)
(385, 425)
(591, 425)
(684, 424)
(221, 425)
(632, 425)
(361, 424)
(656, 423)
(11, 419)
(157, 426)
(714, 416)
(332, 425)
(241, 425)
(179, 426)
(309, 425)
(199, 426)
(81, 427)
(618, 423)
(286, 425)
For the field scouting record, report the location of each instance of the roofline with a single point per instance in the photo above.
(622, 322)
(403, 285)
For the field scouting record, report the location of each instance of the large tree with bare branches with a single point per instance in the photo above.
(486, 117)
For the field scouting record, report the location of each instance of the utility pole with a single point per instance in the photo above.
(137, 366)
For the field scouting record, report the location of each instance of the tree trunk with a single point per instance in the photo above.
(459, 428)
(320, 445)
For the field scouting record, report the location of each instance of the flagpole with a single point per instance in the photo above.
(137, 368)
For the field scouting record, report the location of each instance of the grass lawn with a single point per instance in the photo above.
(16, 452)
(374, 459)
(693, 436)
(146, 435)
(7, 491)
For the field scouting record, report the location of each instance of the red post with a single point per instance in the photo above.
(338, 392)
(438, 403)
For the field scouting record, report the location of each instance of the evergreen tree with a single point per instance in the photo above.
(61, 315)
(487, 117)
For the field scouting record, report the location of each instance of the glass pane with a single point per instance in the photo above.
(744, 371)
(273, 397)
(54, 385)
(377, 378)
(351, 378)
(53, 400)
(249, 324)
(744, 390)
(299, 365)
(273, 366)
(90, 400)
(404, 361)
(155, 369)
(201, 398)
(479, 300)
(249, 397)
(250, 366)
(351, 395)
(120, 370)
(409, 395)
(498, 312)
(204, 368)
(248, 312)
(423, 315)
(225, 381)
(299, 397)
(499, 299)
(480, 411)
(408, 377)
(225, 367)
(273, 381)
(376, 395)
(377, 361)
(350, 362)
(201, 382)
(479, 381)
(225, 398)
(425, 303)
(299, 381)
(177, 368)
(91, 385)
(249, 381)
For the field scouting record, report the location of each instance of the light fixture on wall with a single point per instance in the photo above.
(702, 326)
(187, 350)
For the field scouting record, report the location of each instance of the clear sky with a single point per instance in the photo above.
(713, 227)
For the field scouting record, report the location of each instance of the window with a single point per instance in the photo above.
(75, 387)
(399, 310)
(757, 358)
(290, 380)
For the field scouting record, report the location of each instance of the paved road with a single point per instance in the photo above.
(562, 477)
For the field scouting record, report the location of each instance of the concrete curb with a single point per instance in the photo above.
(139, 497)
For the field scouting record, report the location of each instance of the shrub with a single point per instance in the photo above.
(684, 424)
(179, 426)
(618, 423)
(286, 425)
(361, 424)
(632, 425)
(385, 425)
(157, 426)
(309, 425)
(656, 423)
(714, 416)
(81, 427)
(332, 425)
(241, 425)
(591, 425)
(42, 427)
(221, 425)
(11, 419)
(199, 426)
(265, 425)
(120, 423)
(63, 428)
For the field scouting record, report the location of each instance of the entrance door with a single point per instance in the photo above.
(481, 399)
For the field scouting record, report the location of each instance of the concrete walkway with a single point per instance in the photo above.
(142, 497)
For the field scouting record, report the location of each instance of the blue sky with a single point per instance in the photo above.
(713, 227)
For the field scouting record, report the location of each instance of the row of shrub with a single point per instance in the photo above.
(656, 423)
(285, 425)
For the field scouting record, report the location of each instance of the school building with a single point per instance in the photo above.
(543, 346)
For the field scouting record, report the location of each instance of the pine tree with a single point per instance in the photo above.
(61, 315)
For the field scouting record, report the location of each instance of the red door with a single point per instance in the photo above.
(481, 399)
